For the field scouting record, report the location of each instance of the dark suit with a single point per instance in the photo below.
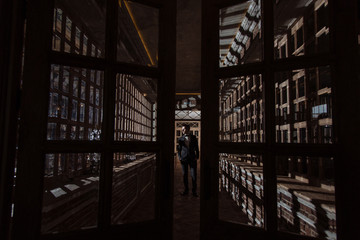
(188, 156)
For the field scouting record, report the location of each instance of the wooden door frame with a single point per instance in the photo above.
(12, 31)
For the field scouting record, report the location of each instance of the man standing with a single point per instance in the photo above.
(188, 152)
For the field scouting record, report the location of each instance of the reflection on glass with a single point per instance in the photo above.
(241, 189)
(77, 37)
(135, 98)
(64, 107)
(92, 75)
(82, 112)
(70, 197)
(306, 196)
(303, 30)
(74, 110)
(75, 86)
(97, 97)
(62, 131)
(74, 22)
(56, 43)
(98, 77)
(96, 117)
(91, 94)
(57, 19)
(68, 28)
(73, 133)
(69, 109)
(240, 39)
(81, 133)
(53, 105)
(85, 40)
(65, 79)
(133, 187)
(138, 33)
(55, 76)
(67, 47)
(303, 106)
(91, 114)
(51, 131)
(241, 112)
(83, 90)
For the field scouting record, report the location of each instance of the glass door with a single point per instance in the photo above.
(271, 86)
(94, 153)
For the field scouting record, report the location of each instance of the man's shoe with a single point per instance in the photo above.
(184, 193)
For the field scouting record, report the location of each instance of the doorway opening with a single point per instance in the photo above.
(186, 210)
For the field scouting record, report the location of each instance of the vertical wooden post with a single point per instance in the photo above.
(12, 35)
(166, 111)
(270, 200)
(346, 117)
(28, 195)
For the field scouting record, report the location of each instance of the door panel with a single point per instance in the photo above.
(268, 134)
(92, 157)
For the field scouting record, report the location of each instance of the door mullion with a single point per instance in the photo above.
(346, 88)
(269, 156)
(165, 123)
(108, 117)
(209, 112)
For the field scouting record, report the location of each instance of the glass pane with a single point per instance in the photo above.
(65, 79)
(64, 107)
(240, 39)
(241, 112)
(134, 109)
(68, 108)
(303, 30)
(306, 196)
(54, 106)
(75, 86)
(74, 110)
(79, 24)
(51, 131)
(241, 189)
(83, 90)
(92, 75)
(138, 34)
(97, 97)
(133, 189)
(91, 98)
(55, 75)
(187, 114)
(71, 192)
(188, 102)
(303, 106)
(73, 132)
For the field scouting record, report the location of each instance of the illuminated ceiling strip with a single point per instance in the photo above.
(138, 31)
(254, 12)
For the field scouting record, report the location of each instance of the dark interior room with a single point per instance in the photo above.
(99, 97)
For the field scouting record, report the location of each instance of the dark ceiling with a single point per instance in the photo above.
(188, 46)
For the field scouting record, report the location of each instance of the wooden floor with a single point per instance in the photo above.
(186, 208)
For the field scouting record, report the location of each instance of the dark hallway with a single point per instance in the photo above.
(186, 208)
